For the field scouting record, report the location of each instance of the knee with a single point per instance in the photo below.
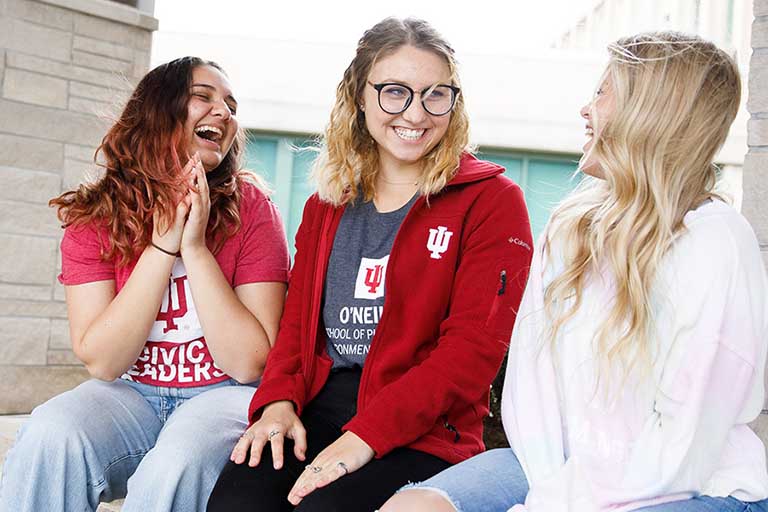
(418, 500)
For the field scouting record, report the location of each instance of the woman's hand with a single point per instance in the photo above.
(279, 421)
(166, 236)
(347, 454)
(199, 201)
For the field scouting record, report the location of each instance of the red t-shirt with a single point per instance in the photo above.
(176, 354)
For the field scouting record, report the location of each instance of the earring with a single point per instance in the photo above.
(362, 107)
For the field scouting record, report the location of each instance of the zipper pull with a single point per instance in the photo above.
(502, 283)
(451, 428)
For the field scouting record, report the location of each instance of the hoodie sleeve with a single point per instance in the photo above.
(712, 329)
(283, 377)
(473, 337)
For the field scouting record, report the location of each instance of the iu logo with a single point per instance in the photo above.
(172, 310)
(438, 241)
(370, 278)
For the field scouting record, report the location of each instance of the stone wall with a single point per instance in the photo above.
(65, 67)
(755, 205)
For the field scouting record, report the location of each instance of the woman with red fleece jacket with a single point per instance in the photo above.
(410, 265)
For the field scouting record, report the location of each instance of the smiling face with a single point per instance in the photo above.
(403, 139)
(211, 125)
(597, 113)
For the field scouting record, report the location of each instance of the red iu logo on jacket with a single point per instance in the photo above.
(370, 278)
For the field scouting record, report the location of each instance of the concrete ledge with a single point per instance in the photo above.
(109, 10)
(22, 388)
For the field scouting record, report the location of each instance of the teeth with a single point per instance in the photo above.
(406, 134)
(208, 128)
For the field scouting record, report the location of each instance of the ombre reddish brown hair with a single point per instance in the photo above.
(143, 155)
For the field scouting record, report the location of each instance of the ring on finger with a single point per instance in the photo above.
(314, 469)
(272, 434)
(343, 466)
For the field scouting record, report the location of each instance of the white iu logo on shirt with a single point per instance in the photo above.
(438, 241)
(370, 278)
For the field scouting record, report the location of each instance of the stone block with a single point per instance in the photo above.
(42, 14)
(105, 78)
(62, 358)
(760, 7)
(760, 33)
(93, 92)
(95, 108)
(58, 291)
(82, 153)
(28, 153)
(51, 124)
(28, 219)
(758, 82)
(757, 130)
(9, 307)
(27, 259)
(141, 64)
(25, 291)
(755, 181)
(35, 39)
(106, 30)
(23, 388)
(24, 340)
(104, 48)
(111, 10)
(2, 63)
(59, 335)
(98, 62)
(77, 172)
(35, 88)
(32, 186)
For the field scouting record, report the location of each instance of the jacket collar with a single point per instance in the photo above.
(471, 169)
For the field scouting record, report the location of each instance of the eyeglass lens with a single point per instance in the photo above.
(395, 98)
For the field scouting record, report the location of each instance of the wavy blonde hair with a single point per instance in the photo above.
(348, 158)
(676, 96)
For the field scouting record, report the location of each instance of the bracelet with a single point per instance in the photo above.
(169, 253)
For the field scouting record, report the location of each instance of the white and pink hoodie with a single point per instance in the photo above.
(679, 431)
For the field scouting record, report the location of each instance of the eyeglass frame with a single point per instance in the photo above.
(455, 90)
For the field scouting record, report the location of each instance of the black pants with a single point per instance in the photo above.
(264, 489)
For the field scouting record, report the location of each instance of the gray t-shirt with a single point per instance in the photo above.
(354, 283)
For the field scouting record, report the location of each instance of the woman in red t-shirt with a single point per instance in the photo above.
(174, 265)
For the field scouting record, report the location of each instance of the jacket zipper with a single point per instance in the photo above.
(382, 321)
(321, 263)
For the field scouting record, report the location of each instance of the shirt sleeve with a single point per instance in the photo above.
(711, 326)
(264, 252)
(81, 257)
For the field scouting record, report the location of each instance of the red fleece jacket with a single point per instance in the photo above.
(446, 323)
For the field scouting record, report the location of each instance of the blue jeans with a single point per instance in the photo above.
(494, 481)
(160, 448)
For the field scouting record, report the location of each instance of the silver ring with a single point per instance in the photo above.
(272, 434)
(344, 467)
(314, 469)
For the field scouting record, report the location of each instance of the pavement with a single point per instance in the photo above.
(9, 424)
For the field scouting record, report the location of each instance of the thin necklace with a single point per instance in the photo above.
(385, 180)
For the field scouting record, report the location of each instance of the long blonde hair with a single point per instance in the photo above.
(348, 157)
(676, 96)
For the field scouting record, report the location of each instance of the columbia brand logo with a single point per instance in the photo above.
(521, 243)
(438, 241)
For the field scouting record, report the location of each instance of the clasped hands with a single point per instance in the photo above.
(187, 231)
(278, 422)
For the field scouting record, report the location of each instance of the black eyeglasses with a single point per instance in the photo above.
(395, 98)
